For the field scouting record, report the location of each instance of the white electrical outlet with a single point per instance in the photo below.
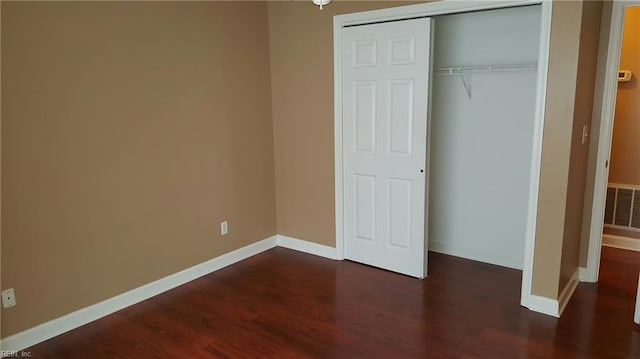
(8, 298)
(224, 228)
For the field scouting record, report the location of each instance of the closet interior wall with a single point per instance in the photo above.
(482, 117)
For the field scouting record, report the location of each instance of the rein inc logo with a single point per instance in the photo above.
(15, 354)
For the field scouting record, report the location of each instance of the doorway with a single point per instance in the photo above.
(622, 204)
(610, 200)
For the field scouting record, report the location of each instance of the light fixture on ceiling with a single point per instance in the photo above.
(321, 3)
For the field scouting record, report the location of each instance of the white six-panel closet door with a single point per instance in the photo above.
(386, 70)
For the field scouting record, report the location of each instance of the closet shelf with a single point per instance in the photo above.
(483, 69)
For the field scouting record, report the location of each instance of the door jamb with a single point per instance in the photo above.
(433, 9)
(606, 94)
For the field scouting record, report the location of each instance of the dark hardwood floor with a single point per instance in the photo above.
(285, 304)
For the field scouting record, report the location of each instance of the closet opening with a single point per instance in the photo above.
(482, 133)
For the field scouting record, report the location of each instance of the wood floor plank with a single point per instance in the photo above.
(285, 304)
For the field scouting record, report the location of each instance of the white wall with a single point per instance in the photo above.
(481, 146)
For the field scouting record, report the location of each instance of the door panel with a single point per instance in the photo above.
(400, 116)
(365, 207)
(400, 213)
(385, 107)
(364, 115)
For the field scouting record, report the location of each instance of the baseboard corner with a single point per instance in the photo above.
(307, 247)
(567, 292)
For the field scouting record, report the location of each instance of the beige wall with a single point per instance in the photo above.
(556, 147)
(625, 146)
(587, 61)
(129, 131)
(301, 40)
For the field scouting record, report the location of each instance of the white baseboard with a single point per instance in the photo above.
(486, 257)
(610, 240)
(567, 292)
(86, 315)
(543, 305)
(307, 247)
(585, 276)
(554, 307)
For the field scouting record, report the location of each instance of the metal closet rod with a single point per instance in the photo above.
(482, 69)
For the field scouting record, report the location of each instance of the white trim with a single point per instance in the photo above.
(536, 156)
(476, 255)
(555, 307)
(543, 305)
(441, 8)
(636, 317)
(583, 275)
(567, 292)
(444, 7)
(621, 242)
(88, 314)
(606, 94)
(623, 186)
(307, 247)
(337, 133)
